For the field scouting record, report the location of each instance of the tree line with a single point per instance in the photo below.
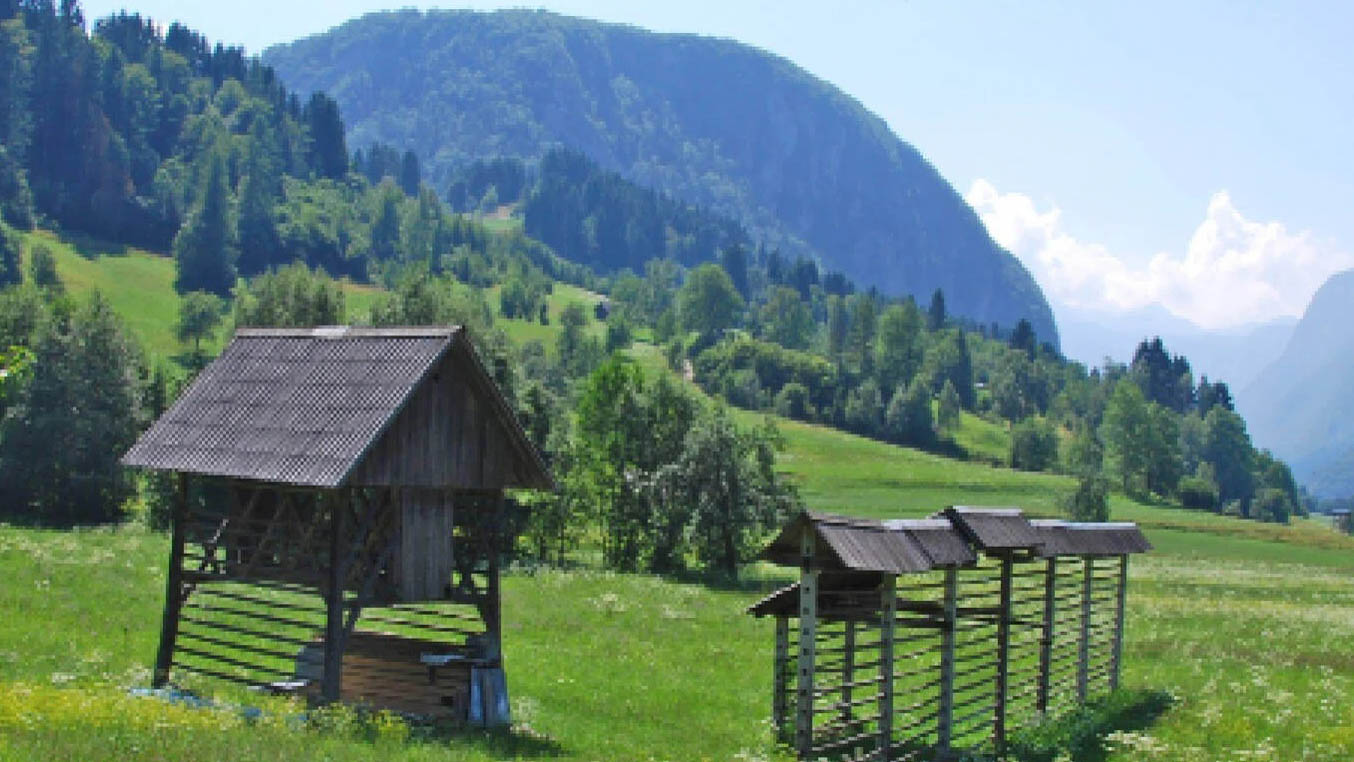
(888, 369)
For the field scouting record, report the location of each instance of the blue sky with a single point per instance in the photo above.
(1194, 155)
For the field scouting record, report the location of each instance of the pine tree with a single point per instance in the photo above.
(328, 151)
(734, 259)
(385, 229)
(81, 409)
(838, 324)
(257, 228)
(898, 349)
(935, 314)
(410, 177)
(205, 246)
(10, 270)
(947, 411)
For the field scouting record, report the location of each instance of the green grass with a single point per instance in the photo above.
(521, 331)
(139, 285)
(982, 439)
(1245, 624)
(606, 666)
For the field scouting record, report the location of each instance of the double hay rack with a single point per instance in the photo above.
(925, 639)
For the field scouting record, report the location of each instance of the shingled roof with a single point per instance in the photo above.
(894, 547)
(306, 406)
(1070, 538)
(950, 539)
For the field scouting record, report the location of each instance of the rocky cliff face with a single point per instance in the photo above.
(709, 121)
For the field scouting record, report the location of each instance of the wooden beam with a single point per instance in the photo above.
(1003, 655)
(945, 712)
(333, 631)
(808, 633)
(1084, 641)
(1046, 636)
(780, 689)
(848, 667)
(174, 590)
(888, 591)
(493, 616)
(1118, 655)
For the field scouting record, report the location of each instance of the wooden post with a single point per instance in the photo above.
(174, 590)
(494, 615)
(888, 620)
(1003, 654)
(331, 685)
(1046, 638)
(780, 691)
(1118, 655)
(1084, 644)
(945, 712)
(848, 667)
(808, 632)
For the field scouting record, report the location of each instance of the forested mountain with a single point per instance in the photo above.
(1301, 405)
(711, 122)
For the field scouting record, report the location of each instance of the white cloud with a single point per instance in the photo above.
(1232, 271)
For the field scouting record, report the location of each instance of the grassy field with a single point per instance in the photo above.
(140, 287)
(1248, 626)
(522, 331)
(1256, 653)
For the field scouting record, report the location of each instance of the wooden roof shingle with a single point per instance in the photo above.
(304, 406)
(952, 538)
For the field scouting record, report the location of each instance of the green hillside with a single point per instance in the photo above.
(140, 286)
(709, 121)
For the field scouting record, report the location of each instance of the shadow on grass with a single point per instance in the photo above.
(92, 248)
(1080, 734)
(500, 743)
(742, 582)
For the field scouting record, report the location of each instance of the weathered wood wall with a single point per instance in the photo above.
(426, 561)
(447, 436)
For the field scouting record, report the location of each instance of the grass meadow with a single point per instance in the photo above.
(1256, 653)
(1249, 627)
(139, 285)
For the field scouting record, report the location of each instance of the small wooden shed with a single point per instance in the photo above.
(1341, 518)
(343, 534)
(928, 638)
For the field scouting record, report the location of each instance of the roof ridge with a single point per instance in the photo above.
(349, 331)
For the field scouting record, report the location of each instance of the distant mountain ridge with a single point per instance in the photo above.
(1236, 356)
(1302, 405)
(709, 121)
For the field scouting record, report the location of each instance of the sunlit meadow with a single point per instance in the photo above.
(1258, 655)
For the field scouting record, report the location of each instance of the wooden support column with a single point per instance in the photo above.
(945, 712)
(1046, 636)
(331, 686)
(848, 667)
(174, 589)
(1118, 655)
(1003, 654)
(1084, 642)
(493, 617)
(808, 632)
(780, 691)
(888, 618)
